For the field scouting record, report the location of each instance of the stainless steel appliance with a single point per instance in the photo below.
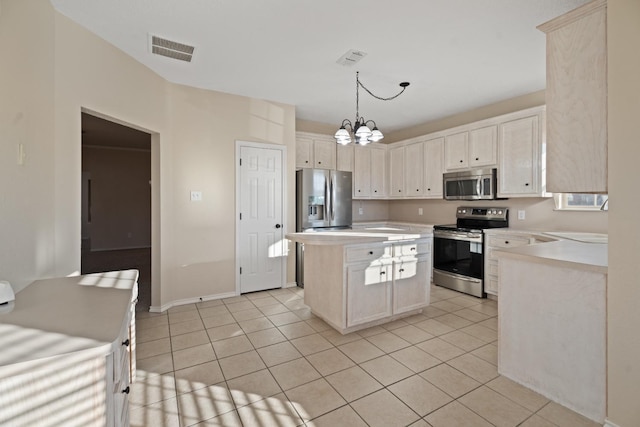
(476, 184)
(323, 202)
(458, 249)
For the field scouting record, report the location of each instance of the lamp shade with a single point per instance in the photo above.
(376, 135)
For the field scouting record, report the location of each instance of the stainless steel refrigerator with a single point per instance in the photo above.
(323, 202)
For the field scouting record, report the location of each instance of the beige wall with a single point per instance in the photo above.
(193, 147)
(623, 290)
(27, 192)
(120, 197)
(539, 214)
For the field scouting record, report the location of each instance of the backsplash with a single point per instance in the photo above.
(539, 213)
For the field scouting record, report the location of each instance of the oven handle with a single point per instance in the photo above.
(463, 236)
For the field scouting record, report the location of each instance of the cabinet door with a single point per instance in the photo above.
(362, 172)
(483, 146)
(324, 154)
(368, 293)
(519, 158)
(410, 283)
(304, 153)
(344, 161)
(456, 151)
(434, 167)
(576, 98)
(414, 169)
(396, 171)
(378, 172)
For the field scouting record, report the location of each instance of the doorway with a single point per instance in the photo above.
(116, 201)
(260, 194)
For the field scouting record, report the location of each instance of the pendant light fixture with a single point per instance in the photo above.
(359, 128)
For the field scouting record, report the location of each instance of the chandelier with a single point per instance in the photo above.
(360, 129)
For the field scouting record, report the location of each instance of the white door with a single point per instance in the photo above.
(262, 248)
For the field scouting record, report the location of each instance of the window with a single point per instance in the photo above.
(581, 202)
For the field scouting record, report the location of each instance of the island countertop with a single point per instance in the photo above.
(348, 237)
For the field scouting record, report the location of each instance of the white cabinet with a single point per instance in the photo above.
(483, 146)
(414, 169)
(456, 151)
(499, 240)
(471, 149)
(576, 98)
(344, 160)
(355, 286)
(522, 156)
(369, 175)
(433, 168)
(315, 151)
(396, 172)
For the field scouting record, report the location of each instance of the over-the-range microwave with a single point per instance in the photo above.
(475, 184)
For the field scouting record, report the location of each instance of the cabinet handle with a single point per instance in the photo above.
(370, 252)
(412, 249)
(126, 342)
(460, 161)
(527, 184)
(278, 225)
(306, 161)
(506, 242)
(126, 390)
(401, 270)
(477, 158)
(358, 191)
(399, 191)
(319, 163)
(375, 191)
(382, 273)
(428, 189)
(417, 189)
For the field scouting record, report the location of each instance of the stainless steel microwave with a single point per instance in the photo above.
(476, 184)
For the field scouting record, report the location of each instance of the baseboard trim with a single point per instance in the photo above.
(290, 285)
(609, 423)
(167, 306)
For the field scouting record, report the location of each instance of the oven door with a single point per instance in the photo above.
(458, 261)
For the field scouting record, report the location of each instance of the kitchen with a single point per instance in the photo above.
(136, 104)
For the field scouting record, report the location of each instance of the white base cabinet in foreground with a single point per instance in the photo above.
(355, 286)
(68, 352)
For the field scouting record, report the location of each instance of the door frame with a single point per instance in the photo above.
(285, 223)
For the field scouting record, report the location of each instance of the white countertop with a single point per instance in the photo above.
(53, 317)
(346, 237)
(563, 253)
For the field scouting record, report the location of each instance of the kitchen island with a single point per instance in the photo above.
(552, 321)
(355, 279)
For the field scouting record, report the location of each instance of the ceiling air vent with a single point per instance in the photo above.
(171, 49)
(351, 57)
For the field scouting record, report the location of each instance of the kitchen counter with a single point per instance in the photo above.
(562, 253)
(347, 237)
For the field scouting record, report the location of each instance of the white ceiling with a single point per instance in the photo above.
(457, 54)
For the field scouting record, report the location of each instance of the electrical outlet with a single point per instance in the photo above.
(196, 196)
(360, 211)
(420, 211)
(521, 214)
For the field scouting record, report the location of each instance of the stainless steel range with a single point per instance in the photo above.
(458, 256)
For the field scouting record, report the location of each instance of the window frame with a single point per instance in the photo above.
(562, 203)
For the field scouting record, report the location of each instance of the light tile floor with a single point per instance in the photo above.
(263, 359)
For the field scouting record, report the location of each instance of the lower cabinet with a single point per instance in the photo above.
(371, 283)
(499, 241)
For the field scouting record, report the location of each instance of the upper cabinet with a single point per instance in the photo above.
(522, 154)
(433, 168)
(369, 172)
(315, 151)
(344, 161)
(576, 98)
(471, 148)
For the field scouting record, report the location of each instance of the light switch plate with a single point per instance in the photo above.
(360, 211)
(196, 196)
(521, 214)
(420, 211)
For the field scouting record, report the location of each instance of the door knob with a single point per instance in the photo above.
(278, 225)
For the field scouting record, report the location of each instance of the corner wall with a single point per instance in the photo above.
(623, 289)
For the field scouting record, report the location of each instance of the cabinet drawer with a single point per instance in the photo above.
(507, 241)
(370, 253)
(413, 248)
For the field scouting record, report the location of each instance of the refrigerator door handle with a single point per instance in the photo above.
(327, 197)
(333, 209)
